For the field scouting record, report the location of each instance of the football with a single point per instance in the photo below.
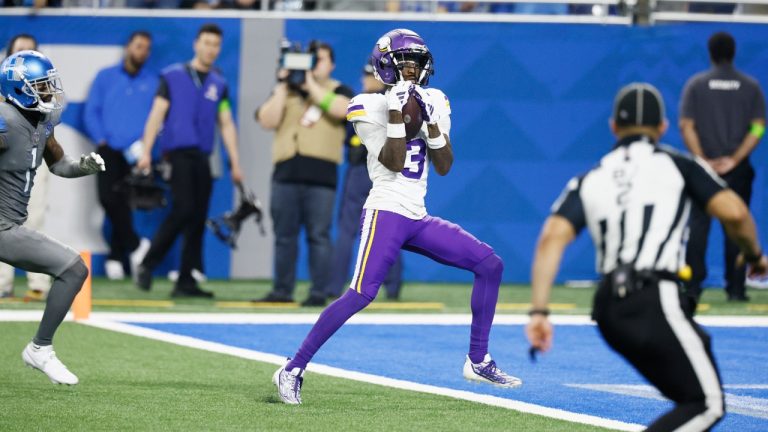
(412, 118)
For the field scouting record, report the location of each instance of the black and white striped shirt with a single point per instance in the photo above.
(636, 204)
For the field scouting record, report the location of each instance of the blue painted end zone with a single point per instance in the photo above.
(435, 354)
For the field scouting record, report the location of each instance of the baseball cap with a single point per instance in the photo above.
(638, 104)
(368, 69)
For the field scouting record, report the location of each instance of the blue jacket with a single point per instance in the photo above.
(118, 105)
(193, 113)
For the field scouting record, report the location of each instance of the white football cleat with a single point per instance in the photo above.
(114, 270)
(488, 372)
(43, 358)
(289, 385)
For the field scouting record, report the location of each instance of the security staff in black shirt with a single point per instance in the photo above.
(722, 118)
(636, 204)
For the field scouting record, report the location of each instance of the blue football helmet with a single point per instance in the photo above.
(29, 80)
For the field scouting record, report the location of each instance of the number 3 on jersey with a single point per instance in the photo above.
(415, 158)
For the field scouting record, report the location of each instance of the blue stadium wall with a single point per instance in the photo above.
(530, 104)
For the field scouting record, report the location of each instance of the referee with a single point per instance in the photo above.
(636, 205)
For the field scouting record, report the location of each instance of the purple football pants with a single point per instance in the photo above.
(384, 234)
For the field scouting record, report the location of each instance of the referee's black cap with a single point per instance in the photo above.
(638, 104)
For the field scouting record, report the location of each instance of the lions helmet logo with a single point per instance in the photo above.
(15, 69)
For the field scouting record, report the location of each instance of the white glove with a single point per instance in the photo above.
(92, 163)
(398, 95)
(428, 111)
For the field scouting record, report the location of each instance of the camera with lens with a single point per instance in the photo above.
(297, 61)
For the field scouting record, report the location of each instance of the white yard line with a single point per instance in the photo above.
(363, 318)
(363, 377)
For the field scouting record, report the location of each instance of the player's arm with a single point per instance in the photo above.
(435, 111)
(229, 136)
(157, 114)
(392, 155)
(64, 166)
(441, 154)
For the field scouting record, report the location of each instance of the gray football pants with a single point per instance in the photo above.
(33, 251)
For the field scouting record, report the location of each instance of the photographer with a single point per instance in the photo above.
(308, 118)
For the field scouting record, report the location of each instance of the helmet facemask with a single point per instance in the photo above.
(417, 58)
(47, 92)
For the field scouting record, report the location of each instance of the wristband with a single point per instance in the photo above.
(396, 130)
(533, 312)
(753, 259)
(437, 143)
(757, 130)
(325, 104)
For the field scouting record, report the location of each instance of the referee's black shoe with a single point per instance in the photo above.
(738, 298)
(143, 278)
(190, 291)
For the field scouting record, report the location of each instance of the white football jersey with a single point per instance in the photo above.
(402, 192)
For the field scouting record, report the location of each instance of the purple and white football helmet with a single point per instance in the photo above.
(396, 48)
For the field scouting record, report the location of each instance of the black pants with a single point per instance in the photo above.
(124, 238)
(654, 331)
(191, 185)
(740, 180)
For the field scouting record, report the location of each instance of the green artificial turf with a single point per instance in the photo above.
(129, 383)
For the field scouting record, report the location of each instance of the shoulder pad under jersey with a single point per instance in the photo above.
(368, 108)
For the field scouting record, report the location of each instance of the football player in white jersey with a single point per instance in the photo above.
(395, 218)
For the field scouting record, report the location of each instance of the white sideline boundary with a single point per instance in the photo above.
(363, 318)
(362, 377)
(115, 322)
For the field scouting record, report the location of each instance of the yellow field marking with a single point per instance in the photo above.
(406, 306)
(703, 307)
(526, 306)
(137, 303)
(260, 305)
(9, 300)
(757, 307)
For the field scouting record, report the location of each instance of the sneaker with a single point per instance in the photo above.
(289, 385)
(314, 301)
(114, 270)
(190, 291)
(143, 278)
(487, 372)
(274, 297)
(6, 294)
(43, 358)
(138, 254)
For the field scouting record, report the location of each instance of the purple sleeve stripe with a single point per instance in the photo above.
(354, 108)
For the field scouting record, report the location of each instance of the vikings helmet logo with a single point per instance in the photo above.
(384, 43)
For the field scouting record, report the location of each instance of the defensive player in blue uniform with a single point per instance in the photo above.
(32, 108)
(394, 216)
